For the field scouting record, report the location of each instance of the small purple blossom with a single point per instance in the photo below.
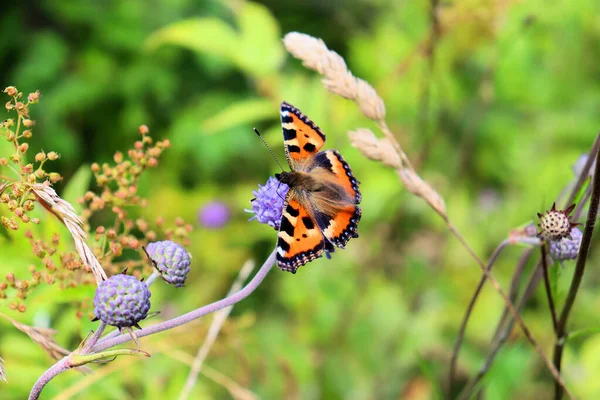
(214, 215)
(267, 204)
(566, 248)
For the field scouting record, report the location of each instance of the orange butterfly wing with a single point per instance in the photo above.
(299, 239)
(301, 137)
(338, 227)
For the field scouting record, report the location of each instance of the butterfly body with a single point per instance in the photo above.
(320, 209)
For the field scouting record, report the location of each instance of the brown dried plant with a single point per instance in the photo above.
(338, 79)
(32, 184)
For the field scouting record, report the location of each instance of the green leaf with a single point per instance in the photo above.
(78, 360)
(256, 49)
(77, 186)
(207, 35)
(238, 113)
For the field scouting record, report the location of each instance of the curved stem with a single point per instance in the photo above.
(586, 240)
(65, 363)
(513, 311)
(60, 366)
(506, 323)
(465, 320)
(501, 336)
(185, 318)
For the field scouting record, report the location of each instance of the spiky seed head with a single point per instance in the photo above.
(555, 224)
(567, 248)
(121, 301)
(171, 260)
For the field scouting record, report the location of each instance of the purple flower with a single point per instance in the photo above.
(214, 215)
(267, 204)
(566, 248)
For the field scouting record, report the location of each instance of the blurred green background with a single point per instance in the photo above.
(493, 101)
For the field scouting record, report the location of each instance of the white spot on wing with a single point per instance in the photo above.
(330, 229)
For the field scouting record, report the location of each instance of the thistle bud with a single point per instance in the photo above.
(555, 224)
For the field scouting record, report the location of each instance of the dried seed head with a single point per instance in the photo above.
(555, 224)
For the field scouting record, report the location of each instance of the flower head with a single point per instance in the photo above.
(214, 215)
(268, 201)
(555, 224)
(171, 260)
(567, 248)
(121, 301)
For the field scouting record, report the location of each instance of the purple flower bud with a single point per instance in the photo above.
(267, 204)
(566, 248)
(121, 301)
(171, 260)
(214, 215)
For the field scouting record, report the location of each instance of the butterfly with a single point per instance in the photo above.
(320, 211)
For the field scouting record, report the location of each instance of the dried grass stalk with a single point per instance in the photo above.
(374, 148)
(337, 78)
(44, 337)
(419, 187)
(48, 198)
(2, 373)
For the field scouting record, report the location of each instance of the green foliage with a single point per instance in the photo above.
(494, 115)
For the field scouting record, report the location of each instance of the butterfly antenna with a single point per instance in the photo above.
(277, 191)
(268, 147)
